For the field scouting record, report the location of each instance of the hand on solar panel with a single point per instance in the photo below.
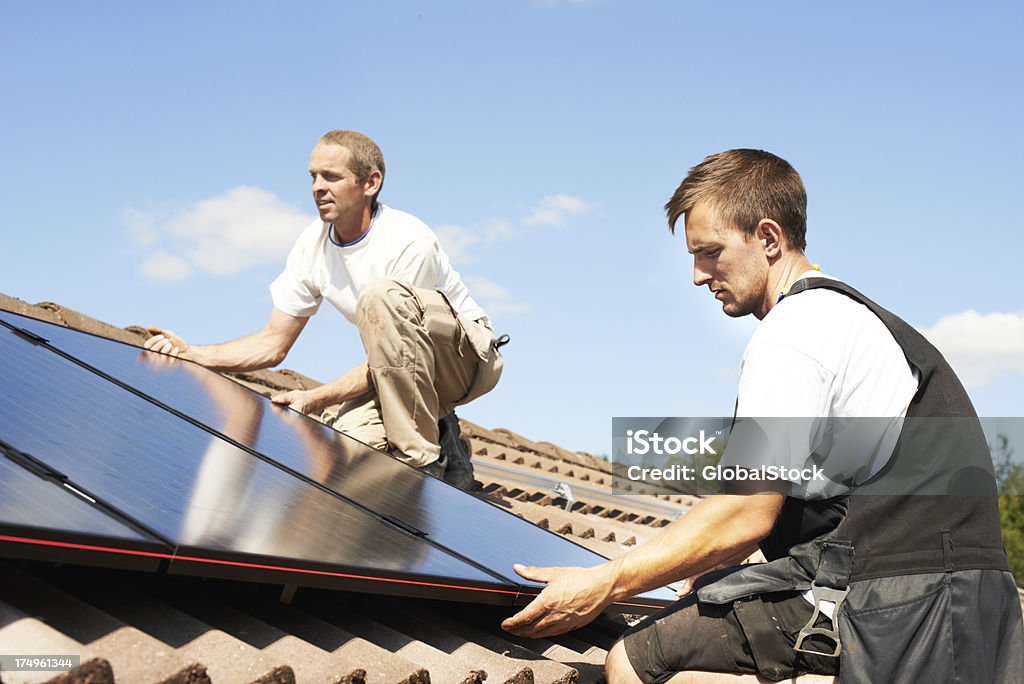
(166, 342)
(572, 598)
(302, 401)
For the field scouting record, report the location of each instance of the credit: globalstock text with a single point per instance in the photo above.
(681, 473)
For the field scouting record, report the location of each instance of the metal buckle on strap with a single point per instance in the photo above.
(822, 593)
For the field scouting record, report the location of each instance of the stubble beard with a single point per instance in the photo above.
(738, 308)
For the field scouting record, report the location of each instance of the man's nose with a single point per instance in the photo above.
(700, 276)
(318, 184)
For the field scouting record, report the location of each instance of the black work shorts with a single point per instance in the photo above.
(694, 636)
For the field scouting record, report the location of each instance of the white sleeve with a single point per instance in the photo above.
(778, 380)
(293, 291)
(420, 264)
(783, 393)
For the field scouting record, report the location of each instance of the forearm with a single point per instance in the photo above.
(719, 529)
(252, 352)
(352, 384)
(263, 349)
(740, 556)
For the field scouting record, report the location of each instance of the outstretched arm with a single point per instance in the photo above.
(716, 529)
(263, 349)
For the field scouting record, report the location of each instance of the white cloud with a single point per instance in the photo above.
(552, 211)
(497, 229)
(555, 210)
(980, 347)
(224, 235)
(456, 242)
(496, 300)
(141, 227)
(165, 268)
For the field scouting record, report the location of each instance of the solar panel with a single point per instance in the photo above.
(469, 527)
(42, 518)
(227, 512)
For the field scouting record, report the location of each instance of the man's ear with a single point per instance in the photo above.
(371, 186)
(771, 236)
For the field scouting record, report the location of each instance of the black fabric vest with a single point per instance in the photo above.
(888, 530)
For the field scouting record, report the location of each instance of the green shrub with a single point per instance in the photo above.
(1010, 479)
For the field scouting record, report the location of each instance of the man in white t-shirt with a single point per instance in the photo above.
(429, 345)
(889, 567)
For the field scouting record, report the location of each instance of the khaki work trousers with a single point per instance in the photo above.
(424, 361)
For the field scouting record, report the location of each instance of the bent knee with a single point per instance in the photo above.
(617, 668)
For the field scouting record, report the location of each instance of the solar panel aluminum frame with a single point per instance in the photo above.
(54, 546)
(200, 562)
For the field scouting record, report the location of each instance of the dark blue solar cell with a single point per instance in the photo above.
(32, 503)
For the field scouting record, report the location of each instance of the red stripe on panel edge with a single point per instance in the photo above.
(263, 566)
(240, 564)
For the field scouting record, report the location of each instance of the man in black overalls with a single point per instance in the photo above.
(900, 575)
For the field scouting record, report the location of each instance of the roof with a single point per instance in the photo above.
(134, 627)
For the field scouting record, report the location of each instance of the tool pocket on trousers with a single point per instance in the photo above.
(438, 316)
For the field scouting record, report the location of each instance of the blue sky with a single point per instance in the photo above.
(154, 172)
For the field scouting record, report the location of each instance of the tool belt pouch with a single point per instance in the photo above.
(784, 574)
(829, 582)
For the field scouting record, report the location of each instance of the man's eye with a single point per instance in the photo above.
(712, 253)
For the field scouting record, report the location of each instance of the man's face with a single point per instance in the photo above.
(339, 196)
(733, 265)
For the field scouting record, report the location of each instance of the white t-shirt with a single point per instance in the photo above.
(398, 246)
(820, 354)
